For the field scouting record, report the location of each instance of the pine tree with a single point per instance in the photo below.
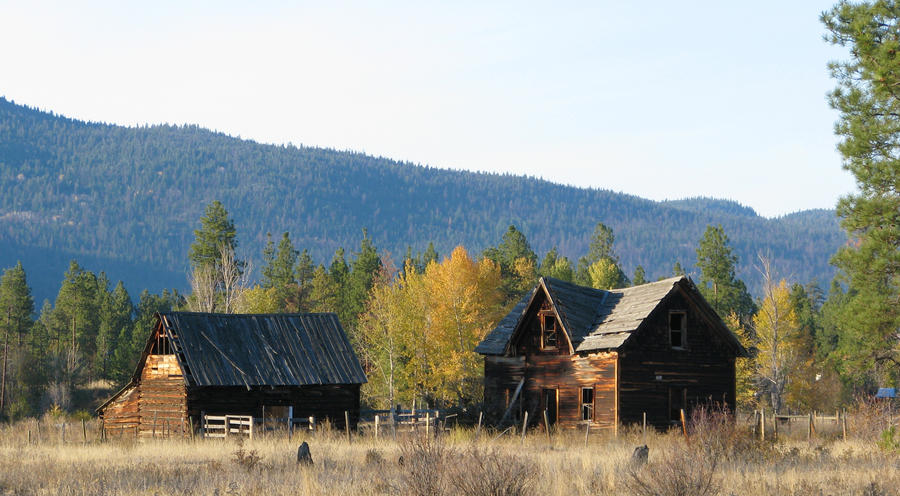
(75, 319)
(216, 231)
(363, 269)
(15, 303)
(868, 100)
(303, 273)
(278, 271)
(517, 262)
(557, 266)
(601, 249)
(640, 277)
(323, 294)
(718, 282)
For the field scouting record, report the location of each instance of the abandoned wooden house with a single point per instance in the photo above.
(282, 366)
(607, 358)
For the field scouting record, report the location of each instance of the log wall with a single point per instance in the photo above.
(654, 377)
(163, 399)
(567, 374)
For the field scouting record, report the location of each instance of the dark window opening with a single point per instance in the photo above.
(587, 403)
(677, 403)
(548, 331)
(677, 329)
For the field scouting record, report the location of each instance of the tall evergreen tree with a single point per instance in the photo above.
(15, 303)
(75, 318)
(517, 261)
(868, 100)
(216, 230)
(640, 277)
(601, 259)
(718, 282)
(557, 266)
(278, 271)
(303, 273)
(363, 269)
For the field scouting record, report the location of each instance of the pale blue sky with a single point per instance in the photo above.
(656, 99)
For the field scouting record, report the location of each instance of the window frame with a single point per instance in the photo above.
(589, 406)
(544, 317)
(682, 331)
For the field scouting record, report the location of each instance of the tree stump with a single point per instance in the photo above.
(639, 456)
(304, 457)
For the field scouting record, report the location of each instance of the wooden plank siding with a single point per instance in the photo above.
(619, 343)
(565, 373)
(651, 369)
(163, 397)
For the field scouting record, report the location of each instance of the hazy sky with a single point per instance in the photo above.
(657, 99)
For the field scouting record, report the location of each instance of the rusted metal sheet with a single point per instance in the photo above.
(264, 349)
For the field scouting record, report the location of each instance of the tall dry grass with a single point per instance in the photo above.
(722, 453)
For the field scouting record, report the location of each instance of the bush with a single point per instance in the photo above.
(888, 440)
(248, 459)
(422, 472)
(679, 473)
(714, 433)
(493, 473)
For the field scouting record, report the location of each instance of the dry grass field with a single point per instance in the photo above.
(717, 460)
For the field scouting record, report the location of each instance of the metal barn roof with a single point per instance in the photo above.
(263, 349)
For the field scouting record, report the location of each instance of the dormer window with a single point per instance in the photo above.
(548, 332)
(677, 328)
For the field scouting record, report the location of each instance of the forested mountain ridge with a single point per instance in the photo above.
(131, 197)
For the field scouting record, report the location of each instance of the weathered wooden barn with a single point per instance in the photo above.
(608, 357)
(277, 365)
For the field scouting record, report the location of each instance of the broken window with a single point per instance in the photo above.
(677, 329)
(587, 403)
(548, 331)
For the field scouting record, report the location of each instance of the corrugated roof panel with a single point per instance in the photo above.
(265, 349)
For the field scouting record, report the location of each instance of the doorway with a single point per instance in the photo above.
(549, 403)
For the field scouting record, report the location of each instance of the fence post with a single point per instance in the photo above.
(347, 424)
(774, 426)
(809, 428)
(587, 431)
(812, 425)
(312, 423)
(376, 426)
(762, 425)
(547, 424)
(83, 432)
(478, 428)
(524, 425)
(644, 426)
(427, 421)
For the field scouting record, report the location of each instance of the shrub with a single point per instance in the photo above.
(422, 472)
(483, 472)
(679, 472)
(714, 433)
(248, 459)
(888, 440)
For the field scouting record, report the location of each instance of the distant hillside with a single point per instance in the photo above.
(128, 200)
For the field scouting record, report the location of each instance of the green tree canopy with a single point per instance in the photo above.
(720, 286)
(867, 97)
(216, 231)
(16, 304)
